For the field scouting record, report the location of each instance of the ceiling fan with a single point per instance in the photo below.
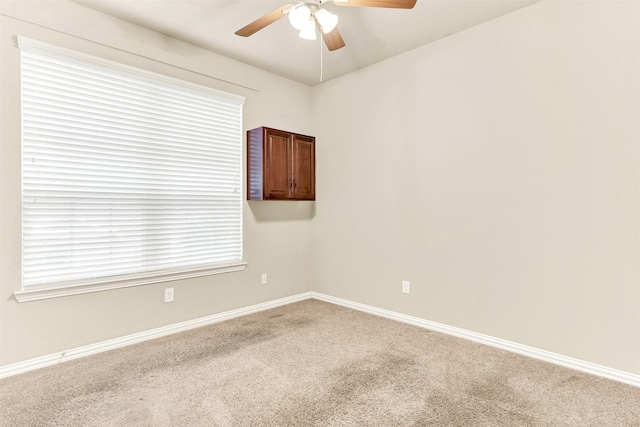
(308, 15)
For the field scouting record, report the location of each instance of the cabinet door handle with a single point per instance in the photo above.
(290, 183)
(295, 184)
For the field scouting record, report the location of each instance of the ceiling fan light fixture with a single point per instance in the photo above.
(327, 20)
(299, 16)
(308, 32)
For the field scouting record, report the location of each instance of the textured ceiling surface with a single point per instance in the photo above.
(371, 34)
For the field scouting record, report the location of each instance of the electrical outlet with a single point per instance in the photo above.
(406, 287)
(263, 279)
(168, 295)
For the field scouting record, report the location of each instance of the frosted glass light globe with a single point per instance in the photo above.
(327, 20)
(299, 16)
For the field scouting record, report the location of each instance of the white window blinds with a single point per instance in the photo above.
(126, 174)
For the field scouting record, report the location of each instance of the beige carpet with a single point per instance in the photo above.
(313, 364)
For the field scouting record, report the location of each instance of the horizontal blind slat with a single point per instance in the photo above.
(123, 173)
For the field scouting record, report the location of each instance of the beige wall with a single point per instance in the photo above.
(276, 235)
(497, 170)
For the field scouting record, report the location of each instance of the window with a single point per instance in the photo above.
(128, 177)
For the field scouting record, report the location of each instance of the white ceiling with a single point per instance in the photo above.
(370, 34)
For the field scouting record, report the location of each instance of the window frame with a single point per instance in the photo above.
(52, 290)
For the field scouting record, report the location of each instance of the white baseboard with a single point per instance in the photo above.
(76, 353)
(547, 356)
(558, 359)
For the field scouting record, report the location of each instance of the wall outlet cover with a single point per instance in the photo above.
(406, 286)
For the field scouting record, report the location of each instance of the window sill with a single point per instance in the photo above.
(150, 278)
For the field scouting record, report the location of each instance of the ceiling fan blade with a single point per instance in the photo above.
(333, 40)
(397, 4)
(262, 22)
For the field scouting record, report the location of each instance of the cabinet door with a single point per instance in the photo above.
(304, 182)
(277, 164)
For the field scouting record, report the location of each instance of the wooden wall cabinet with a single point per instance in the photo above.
(280, 165)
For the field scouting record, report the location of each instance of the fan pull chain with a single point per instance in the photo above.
(321, 70)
